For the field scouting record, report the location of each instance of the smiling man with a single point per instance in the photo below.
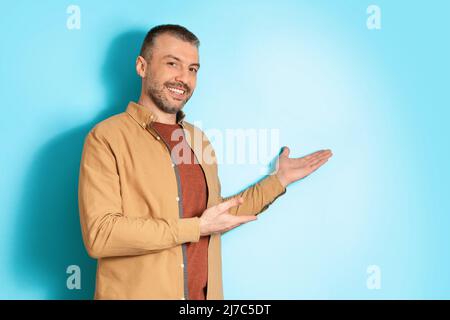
(151, 209)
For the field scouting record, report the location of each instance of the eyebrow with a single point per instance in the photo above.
(178, 59)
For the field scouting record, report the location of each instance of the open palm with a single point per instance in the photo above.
(292, 169)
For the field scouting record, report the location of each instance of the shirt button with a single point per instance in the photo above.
(178, 198)
(158, 138)
(183, 298)
(143, 124)
(182, 265)
(173, 165)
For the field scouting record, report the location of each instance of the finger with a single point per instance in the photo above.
(316, 160)
(324, 155)
(314, 154)
(239, 222)
(310, 156)
(318, 164)
(320, 156)
(233, 202)
(307, 159)
(244, 219)
(313, 158)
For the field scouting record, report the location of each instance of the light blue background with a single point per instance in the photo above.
(312, 69)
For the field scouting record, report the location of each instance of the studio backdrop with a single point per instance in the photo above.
(367, 79)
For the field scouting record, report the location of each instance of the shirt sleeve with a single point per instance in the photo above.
(107, 232)
(259, 196)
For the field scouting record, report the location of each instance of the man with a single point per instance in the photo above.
(151, 209)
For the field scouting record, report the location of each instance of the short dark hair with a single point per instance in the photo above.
(175, 30)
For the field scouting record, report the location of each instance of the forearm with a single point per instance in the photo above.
(107, 232)
(116, 235)
(259, 196)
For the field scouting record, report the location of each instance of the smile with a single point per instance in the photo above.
(177, 92)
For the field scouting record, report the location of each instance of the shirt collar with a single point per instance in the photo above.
(145, 117)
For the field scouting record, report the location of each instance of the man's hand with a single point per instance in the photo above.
(217, 219)
(292, 169)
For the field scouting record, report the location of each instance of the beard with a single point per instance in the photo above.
(160, 98)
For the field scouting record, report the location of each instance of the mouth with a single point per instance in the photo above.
(176, 93)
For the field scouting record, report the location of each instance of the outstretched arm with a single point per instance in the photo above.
(259, 196)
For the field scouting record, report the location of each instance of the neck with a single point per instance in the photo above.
(161, 116)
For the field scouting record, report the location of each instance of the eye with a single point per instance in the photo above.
(172, 64)
(195, 70)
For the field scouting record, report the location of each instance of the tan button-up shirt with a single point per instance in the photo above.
(130, 211)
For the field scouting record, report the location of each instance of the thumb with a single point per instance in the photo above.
(285, 152)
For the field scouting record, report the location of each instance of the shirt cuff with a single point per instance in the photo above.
(273, 186)
(188, 230)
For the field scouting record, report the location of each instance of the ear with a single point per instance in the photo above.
(141, 66)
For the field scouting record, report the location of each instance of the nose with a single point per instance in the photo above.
(182, 77)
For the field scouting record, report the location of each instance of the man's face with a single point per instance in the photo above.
(171, 74)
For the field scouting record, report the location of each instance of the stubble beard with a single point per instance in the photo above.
(159, 98)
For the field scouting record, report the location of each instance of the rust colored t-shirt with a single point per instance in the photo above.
(194, 200)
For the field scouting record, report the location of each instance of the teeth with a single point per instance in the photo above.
(177, 91)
